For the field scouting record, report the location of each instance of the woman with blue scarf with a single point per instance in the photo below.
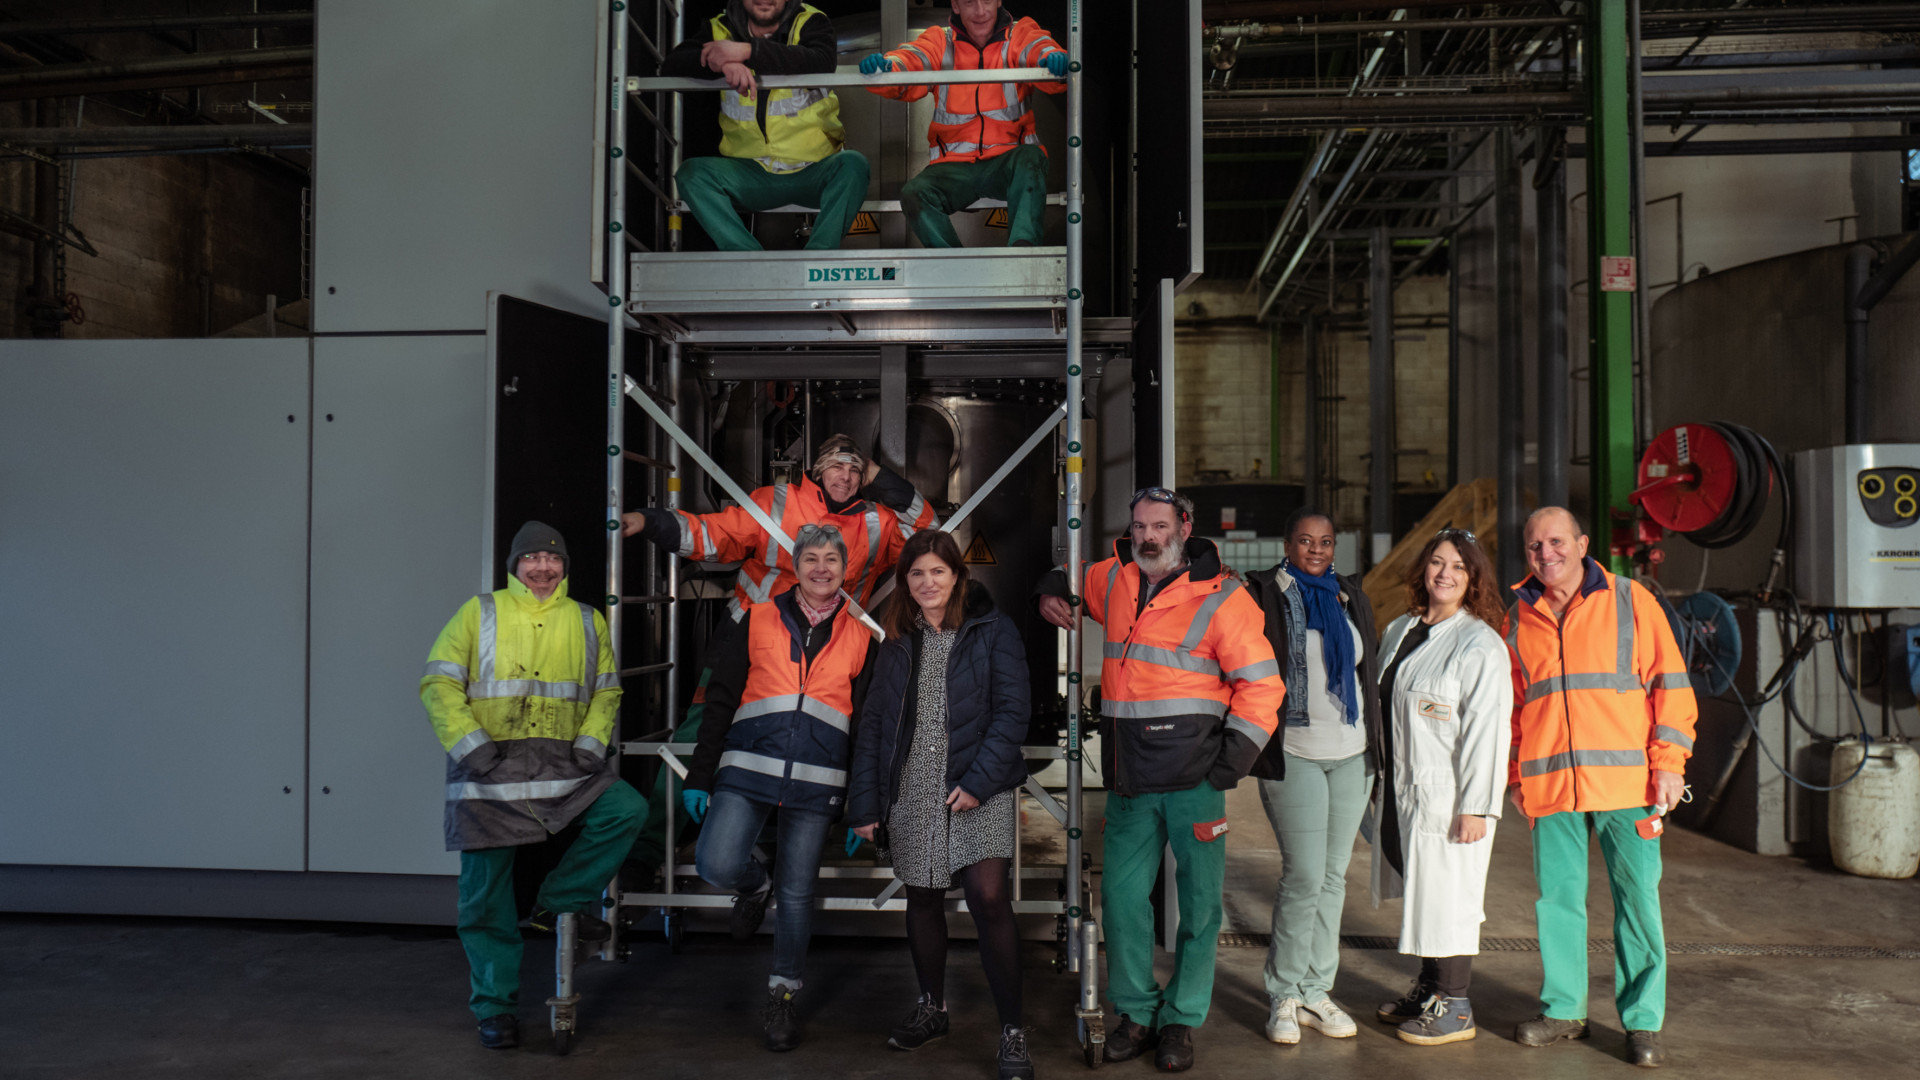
(1321, 628)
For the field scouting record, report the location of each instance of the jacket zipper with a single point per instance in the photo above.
(1566, 704)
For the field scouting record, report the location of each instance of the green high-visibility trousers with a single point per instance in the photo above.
(719, 189)
(1019, 176)
(1639, 939)
(1138, 832)
(490, 925)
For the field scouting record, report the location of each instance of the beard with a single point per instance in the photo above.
(1158, 560)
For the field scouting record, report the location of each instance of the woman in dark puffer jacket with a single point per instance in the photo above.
(936, 768)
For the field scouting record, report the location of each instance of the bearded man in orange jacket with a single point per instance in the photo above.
(1602, 728)
(982, 143)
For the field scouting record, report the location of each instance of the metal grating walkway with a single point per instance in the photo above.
(1605, 945)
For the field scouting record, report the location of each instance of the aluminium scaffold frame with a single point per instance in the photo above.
(1075, 908)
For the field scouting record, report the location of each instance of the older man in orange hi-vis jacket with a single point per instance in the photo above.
(1189, 695)
(1602, 729)
(982, 142)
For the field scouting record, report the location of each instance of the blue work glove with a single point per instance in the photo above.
(875, 64)
(853, 841)
(1056, 64)
(696, 804)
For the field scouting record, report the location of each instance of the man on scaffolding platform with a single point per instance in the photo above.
(777, 147)
(982, 141)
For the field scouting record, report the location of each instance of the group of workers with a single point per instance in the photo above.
(787, 146)
(1573, 703)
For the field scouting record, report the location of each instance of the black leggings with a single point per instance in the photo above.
(1451, 975)
(985, 883)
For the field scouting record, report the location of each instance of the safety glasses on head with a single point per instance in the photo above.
(1456, 534)
(1180, 503)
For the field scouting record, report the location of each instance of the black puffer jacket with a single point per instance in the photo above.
(987, 713)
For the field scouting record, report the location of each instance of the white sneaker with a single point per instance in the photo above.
(1283, 1023)
(1331, 1020)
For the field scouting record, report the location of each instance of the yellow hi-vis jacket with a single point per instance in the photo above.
(523, 694)
(801, 126)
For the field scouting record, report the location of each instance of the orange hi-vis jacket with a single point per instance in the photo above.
(981, 120)
(1189, 686)
(791, 738)
(874, 536)
(1601, 696)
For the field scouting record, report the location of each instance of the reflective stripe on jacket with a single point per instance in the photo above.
(792, 733)
(523, 694)
(1600, 696)
(784, 130)
(874, 536)
(1188, 684)
(981, 120)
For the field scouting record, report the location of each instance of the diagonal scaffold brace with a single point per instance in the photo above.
(739, 494)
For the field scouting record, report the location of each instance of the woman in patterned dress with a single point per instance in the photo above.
(936, 764)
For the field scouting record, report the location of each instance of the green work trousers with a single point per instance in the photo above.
(1018, 176)
(489, 920)
(1316, 814)
(1639, 939)
(720, 189)
(1138, 831)
(650, 850)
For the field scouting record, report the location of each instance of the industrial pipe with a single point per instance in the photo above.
(258, 20)
(1550, 238)
(1864, 290)
(1507, 348)
(169, 135)
(195, 69)
(1383, 418)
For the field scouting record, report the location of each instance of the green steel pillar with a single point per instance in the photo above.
(1609, 236)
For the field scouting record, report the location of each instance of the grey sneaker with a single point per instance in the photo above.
(1444, 1020)
(1544, 1030)
(1283, 1020)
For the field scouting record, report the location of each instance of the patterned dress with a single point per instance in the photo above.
(930, 843)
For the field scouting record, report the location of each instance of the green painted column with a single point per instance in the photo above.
(1609, 236)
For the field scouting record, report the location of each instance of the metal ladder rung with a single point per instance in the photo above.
(665, 199)
(658, 125)
(647, 669)
(645, 38)
(892, 206)
(662, 599)
(651, 463)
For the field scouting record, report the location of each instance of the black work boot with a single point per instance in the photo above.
(1544, 1030)
(1129, 1040)
(927, 1022)
(749, 911)
(1644, 1049)
(1176, 1048)
(783, 1028)
(1015, 1062)
(500, 1032)
(586, 927)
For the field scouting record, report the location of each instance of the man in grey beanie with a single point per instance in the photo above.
(523, 690)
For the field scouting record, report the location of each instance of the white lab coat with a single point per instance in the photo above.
(1452, 717)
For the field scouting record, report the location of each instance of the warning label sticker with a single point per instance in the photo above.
(978, 553)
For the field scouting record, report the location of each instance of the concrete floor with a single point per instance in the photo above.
(128, 997)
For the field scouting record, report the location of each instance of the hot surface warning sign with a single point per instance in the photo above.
(978, 552)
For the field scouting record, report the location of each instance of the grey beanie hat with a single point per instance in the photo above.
(536, 536)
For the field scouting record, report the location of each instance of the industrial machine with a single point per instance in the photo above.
(1856, 546)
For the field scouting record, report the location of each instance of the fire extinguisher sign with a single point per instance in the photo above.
(1616, 273)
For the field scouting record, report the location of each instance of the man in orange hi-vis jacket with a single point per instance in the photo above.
(1602, 729)
(1189, 695)
(981, 143)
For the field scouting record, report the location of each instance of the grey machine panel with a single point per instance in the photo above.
(399, 526)
(1857, 529)
(153, 523)
(455, 155)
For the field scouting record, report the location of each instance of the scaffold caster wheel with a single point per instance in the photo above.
(1093, 1042)
(563, 1041)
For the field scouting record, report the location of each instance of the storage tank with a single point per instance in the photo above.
(1873, 823)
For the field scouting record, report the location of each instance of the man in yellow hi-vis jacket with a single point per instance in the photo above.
(522, 688)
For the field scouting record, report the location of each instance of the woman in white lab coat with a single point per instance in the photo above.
(1447, 687)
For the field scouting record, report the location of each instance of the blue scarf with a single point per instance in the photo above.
(1322, 596)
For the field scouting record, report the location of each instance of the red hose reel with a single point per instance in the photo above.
(1710, 483)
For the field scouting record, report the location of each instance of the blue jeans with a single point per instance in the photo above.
(725, 859)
